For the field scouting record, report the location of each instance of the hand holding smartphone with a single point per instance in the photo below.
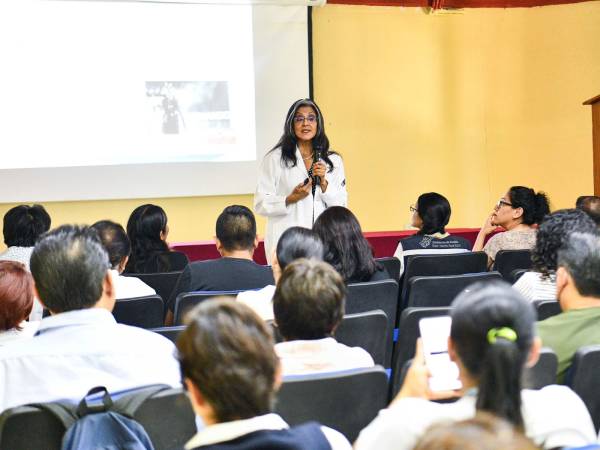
(434, 336)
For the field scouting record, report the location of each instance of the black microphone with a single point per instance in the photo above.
(316, 178)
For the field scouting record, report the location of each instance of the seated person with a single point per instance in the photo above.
(346, 248)
(430, 215)
(578, 291)
(294, 243)
(16, 301)
(147, 230)
(492, 338)
(590, 204)
(116, 243)
(540, 283)
(235, 271)
(232, 374)
(309, 304)
(80, 345)
(518, 212)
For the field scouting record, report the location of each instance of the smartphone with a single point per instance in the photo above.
(305, 182)
(434, 337)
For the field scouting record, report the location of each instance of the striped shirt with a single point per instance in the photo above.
(533, 287)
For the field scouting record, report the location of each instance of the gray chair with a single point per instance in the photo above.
(509, 260)
(582, 377)
(546, 308)
(163, 282)
(167, 417)
(143, 312)
(187, 300)
(544, 371)
(392, 265)
(171, 333)
(345, 401)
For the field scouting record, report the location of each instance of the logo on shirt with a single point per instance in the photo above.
(426, 241)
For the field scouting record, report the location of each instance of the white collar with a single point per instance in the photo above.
(227, 431)
(88, 316)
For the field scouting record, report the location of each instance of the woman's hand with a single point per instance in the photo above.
(320, 170)
(488, 226)
(301, 191)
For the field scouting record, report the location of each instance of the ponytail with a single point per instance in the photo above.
(535, 206)
(542, 207)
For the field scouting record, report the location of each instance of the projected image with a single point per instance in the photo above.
(181, 107)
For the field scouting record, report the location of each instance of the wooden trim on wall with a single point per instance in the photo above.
(458, 3)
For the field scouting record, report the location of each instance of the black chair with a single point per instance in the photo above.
(508, 260)
(392, 265)
(345, 401)
(544, 371)
(167, 417)
(441, 290)
(187, 300)
(435, 265)
(408, 333)
(143, 312)
(582, 377)
(163, 283)
(372, 295)
(516, 274)
(171, 333)
(546, 308)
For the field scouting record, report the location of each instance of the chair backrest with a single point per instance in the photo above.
(582, 377)
(187, 300)
(441, 290)
(167, 417)
(171, 333)
(392, 265)
(516, 274)
(446, 264)
(163, 283)
(345, 401)
(367, 330)
(544, 371)
(143, 312)
(408, 333)
(508, 260)
(546, 308)
(368, 296)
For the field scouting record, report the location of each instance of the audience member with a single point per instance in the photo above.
(294, 243)
(578, 291)
(117, 245)
(232, 373)
(16, 301)
(148, 230)
(235, 271)
(309, 305)
(23, 225)
(482, 432)
(430, 215)
(491, 340)
(590, 204)
(517, 212)
(80, 345)
(346, 249)
(540, 283)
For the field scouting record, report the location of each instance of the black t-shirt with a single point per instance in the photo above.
(223, 274)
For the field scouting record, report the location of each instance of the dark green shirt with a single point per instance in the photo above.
(567, 332)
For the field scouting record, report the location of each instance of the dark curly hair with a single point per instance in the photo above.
(552, 235)
(535, 205)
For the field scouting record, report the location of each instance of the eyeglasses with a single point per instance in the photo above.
(310, 118)
(502, 203)
(412, 208)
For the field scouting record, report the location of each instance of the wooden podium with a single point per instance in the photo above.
(595, 103)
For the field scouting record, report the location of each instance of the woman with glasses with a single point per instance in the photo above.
(430, 214)
(300, 177)
(518, 212)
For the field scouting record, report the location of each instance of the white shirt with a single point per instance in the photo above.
(320, 355)
(129, 287)
(261, 301)
(77, 350)
(227, 431)
(27, 330)
(18, 254)
(533, 287)
(276, 182)
(554, 417)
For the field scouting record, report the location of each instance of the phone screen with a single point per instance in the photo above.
(434, 336)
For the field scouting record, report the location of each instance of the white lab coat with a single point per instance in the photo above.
(276, 182)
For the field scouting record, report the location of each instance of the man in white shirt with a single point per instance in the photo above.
(309, 305)
(80, 345)
(232, 373)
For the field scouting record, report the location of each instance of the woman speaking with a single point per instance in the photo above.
(300, 177)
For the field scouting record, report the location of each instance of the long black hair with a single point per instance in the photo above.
(434, 210)
(288, 141)
(492, 332)
(535, 205)
(144, 229)
(346, 249)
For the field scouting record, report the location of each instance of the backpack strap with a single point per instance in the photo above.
(65, 413)
(128, 404)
